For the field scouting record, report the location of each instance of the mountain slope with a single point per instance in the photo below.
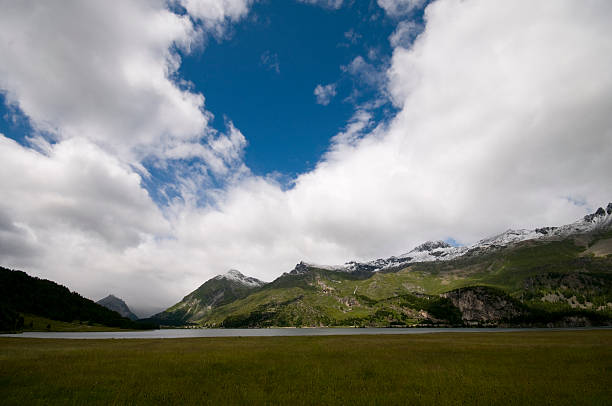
(218, 291)
(549, 276)
(22, 294)
(597, 222)
(118, 305)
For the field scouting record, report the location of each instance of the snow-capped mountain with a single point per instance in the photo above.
(236, 276)
(442, 251)
(217, 291)
(433, 250)
(600, 220)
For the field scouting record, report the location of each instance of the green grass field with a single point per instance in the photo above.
(560, 368)
(37, 323)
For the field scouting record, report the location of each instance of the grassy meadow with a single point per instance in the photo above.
(37, 323)
(556, 367)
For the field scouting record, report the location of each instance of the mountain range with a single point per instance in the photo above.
(549, 276)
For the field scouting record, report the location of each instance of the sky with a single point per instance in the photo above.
(147, 146)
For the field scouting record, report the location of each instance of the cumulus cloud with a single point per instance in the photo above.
(366, 73)
(78, 186)
(398, 8)
(503, 121)
(325, 93)
(355, 129)
(404, 34)
(105, 71)
(216, 14)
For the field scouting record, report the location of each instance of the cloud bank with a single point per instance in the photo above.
(503, 121)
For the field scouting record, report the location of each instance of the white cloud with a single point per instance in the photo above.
(366, 73)
(398, 8)
(78, 186)
(331, 4)
(104, 71)
(355, 129)
(404, 34)
(325, 93)
(503, 122)
(215, 14)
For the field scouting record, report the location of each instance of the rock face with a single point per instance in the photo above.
(300, 268)
(481, 304)
(599, 214)
(114, 303)
(431, 245)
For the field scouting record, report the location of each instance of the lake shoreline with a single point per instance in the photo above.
(280, 332)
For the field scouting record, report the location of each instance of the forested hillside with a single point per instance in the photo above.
(22, 294)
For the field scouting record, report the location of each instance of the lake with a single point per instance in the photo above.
(271, 332)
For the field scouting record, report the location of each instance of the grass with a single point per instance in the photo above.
(37, 323)
(561, 368)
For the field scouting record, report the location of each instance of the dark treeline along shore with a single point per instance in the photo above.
(38, 304)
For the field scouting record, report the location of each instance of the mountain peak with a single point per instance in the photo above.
(216, 291)
(431, 245)
(299, 268)
(116, 304)
(599, 213)
(235, 275)
(111, 297)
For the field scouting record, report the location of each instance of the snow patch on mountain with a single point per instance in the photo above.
(326, 267)
(506, 238)
(442, 251)
(237, 276)
(432, 251)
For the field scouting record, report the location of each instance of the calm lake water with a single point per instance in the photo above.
(272, 332)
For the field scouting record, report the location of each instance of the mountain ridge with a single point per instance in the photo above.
(437, 280)
(219, 290)
(441, 250)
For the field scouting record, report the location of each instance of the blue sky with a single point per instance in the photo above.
(482, 116)
(274, 106)
(261, 75)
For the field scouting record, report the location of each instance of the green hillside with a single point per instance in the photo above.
(545, 282)
(216, 292)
